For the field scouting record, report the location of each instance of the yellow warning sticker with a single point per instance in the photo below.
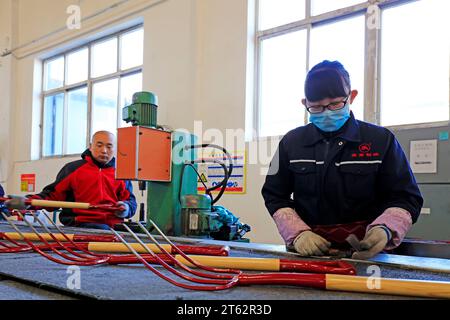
(203, 176)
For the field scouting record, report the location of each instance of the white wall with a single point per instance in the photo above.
(221, 99)
(196, 55)
(6, 89)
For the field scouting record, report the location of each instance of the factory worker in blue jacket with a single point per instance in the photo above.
(2, 205)
(339, 176)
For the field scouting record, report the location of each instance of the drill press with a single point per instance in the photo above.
(165, 163)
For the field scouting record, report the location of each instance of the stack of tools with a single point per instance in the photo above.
(204, 268)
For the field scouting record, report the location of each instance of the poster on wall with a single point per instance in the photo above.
(28, 182)
(423, 156)
(212, 174)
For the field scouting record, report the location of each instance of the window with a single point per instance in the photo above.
(409, 83)
(53, 124)
(77, 66)
(343, 41)
(415, 70)
(272, 14)
(283, 72)
(324, 6)
(84, 91)
(54, 73)
(77, 113)
(104, 101)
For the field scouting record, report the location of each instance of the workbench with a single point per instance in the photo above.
(29, 276)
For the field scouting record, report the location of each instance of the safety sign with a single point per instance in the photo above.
(28, 182)
(212, 173)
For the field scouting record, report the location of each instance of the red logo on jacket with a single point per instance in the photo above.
(365, 147)
(365, 151)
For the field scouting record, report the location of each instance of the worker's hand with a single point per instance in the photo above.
(309, 243)
(123, 210)
(373, 243)
(16, 203)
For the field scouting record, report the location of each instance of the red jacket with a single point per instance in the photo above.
(88, 181)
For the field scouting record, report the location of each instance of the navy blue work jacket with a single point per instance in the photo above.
(352, 175)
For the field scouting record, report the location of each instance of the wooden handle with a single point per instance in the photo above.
(412, 288)
(33, 237)
(59, 204)
(117, 247)
(257, 264)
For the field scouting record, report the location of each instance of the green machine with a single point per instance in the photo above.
(201, 219)
(143, 111)
(175, 206)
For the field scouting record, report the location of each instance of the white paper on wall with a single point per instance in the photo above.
(423, 156)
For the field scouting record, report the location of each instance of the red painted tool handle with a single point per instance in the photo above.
(104, 207)
(291, 279)
(203, 250)
(64, 246)
(94, 238)
(334, 267)
(4, 199)
(16, 249)
(131, 259)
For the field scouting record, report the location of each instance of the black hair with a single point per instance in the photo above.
(328, 79)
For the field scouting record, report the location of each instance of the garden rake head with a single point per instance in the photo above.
(56, 242)
(221, 279)
(226, 278)
(212, 280)
(209, 279)
(72, 257)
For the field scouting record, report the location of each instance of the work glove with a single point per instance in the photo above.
(123, 210)
(309, 243)
(373, 243)
(16, 203)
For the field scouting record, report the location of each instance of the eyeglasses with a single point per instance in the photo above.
(334, 106)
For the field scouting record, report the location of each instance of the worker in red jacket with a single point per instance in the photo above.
(92, 180)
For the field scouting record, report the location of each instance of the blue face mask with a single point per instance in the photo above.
(330, 121)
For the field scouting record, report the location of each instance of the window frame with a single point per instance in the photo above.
(89, 84)
(372, 58)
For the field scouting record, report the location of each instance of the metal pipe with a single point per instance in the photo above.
(95, 14)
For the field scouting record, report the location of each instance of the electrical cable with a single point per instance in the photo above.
(227, 172)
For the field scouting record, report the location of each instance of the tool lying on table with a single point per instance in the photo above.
(321, 281)
(73, 258)
(74, 237)
(213, 256)
(213, 278)
(108, 247)
(70, 241)
(221, 279)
